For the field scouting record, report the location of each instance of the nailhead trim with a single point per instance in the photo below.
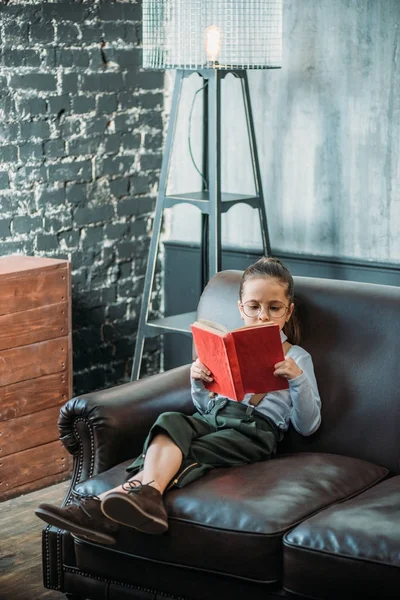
(47, 554)
(126, 585)
(77, 472)
(48, 584)
(59, 561)
(76, 432)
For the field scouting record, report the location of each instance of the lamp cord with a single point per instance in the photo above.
(205, 184)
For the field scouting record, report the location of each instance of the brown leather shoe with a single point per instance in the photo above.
(142, 508)
(83, 517)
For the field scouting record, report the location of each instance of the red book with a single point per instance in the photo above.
(241, 361)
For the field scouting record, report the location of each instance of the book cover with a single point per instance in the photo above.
(241, 361)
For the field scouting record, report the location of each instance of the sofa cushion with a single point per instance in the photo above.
(232, 520)
(353, 546)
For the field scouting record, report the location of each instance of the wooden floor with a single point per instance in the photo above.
(21, 545)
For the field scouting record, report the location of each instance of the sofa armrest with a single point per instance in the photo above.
(104, 428)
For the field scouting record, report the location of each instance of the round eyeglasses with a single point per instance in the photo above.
(275, 310)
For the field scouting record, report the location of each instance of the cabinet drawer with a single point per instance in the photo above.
(35, 360)
(29, 431)
(26, 397)
(31, 465)
(35, 325)
(32, 289)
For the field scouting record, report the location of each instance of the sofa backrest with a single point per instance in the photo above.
(352, 331)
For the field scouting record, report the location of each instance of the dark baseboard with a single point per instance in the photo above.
(182, 281)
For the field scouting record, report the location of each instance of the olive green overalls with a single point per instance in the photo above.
(228, 434)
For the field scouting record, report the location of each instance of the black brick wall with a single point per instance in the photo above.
(81, 129)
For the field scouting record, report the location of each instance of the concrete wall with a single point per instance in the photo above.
(328, 132)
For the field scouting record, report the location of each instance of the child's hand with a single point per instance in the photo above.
(287, 369)
(200, 371)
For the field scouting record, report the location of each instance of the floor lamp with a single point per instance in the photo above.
(212, 38)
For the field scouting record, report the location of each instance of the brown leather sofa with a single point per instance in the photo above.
(321, 520)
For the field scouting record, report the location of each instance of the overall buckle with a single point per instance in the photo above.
(249, 410)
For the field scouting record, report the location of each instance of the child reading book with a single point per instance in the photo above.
(222, 433)
(242, 360)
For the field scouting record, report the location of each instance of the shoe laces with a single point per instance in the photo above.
(80, 499)
(134, 486)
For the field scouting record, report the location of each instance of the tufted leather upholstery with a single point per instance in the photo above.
(284, 524)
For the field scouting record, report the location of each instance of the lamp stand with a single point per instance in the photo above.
(212, 201)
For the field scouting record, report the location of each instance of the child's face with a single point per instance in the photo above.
(265, 300)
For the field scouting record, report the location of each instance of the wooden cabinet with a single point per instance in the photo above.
(35, 371)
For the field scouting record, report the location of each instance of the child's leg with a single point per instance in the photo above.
(140, 505)
(162, 462)
(138, 477)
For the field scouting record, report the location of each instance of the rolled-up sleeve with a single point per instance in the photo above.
(200, 395)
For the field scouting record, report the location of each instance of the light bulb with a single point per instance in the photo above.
(212, 42)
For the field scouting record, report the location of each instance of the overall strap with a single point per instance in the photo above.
(256, 399)
(253, 402)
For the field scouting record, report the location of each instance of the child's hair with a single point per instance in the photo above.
(272, 267)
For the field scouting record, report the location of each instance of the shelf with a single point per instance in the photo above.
(175, 323)
(202, 201)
